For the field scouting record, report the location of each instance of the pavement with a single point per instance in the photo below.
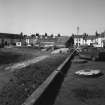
(77, 90)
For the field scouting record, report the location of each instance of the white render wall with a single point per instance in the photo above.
(89, 42)
(78, 40)
(99, 41)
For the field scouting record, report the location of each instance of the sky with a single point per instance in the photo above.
(52, 16)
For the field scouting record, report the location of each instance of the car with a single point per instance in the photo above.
(92, 53)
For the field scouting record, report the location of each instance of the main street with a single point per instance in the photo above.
(76, 90)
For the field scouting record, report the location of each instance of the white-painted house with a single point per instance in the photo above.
(90, 40)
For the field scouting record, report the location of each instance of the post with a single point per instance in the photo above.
(77, 33)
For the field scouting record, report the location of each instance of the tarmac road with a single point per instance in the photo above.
(76, 90)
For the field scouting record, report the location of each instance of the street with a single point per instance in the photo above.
(76, 90)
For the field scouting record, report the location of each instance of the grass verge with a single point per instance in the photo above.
(14, 55)
(26, 80)
(11, 57)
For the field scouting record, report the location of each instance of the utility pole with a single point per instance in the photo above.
(77, 34)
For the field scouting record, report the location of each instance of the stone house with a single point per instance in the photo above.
(7, 39)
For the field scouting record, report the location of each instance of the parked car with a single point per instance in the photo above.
(92, 53)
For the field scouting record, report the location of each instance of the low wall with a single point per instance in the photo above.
(31, 100)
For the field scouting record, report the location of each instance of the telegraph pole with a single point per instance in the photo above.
(77, 34)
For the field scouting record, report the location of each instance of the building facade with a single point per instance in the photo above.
(7, 39)
(97, 41)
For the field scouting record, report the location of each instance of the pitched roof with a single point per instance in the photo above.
(9, 35)
(89, 36)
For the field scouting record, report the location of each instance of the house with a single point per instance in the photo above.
(78, 40)
(97, 41)
(46, 41)
(8, 39)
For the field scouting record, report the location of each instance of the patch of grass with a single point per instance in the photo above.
(10, 57)
(13, 55)
(84, 93)
(6, 58)
(28, 79)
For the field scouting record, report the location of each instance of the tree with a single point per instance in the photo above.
(97, 34)
(69, 42)
(37, 34)
(52, 35)
(24, 36)
(72, 35)
(21, 36)
(46, 35)
(2, 43)
(58, 35)
(85, 37)
(21, 33)
(33, 35)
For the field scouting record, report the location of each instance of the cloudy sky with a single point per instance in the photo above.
(52, 16)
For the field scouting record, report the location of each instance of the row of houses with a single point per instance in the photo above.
(95, 40)
(7, 39)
